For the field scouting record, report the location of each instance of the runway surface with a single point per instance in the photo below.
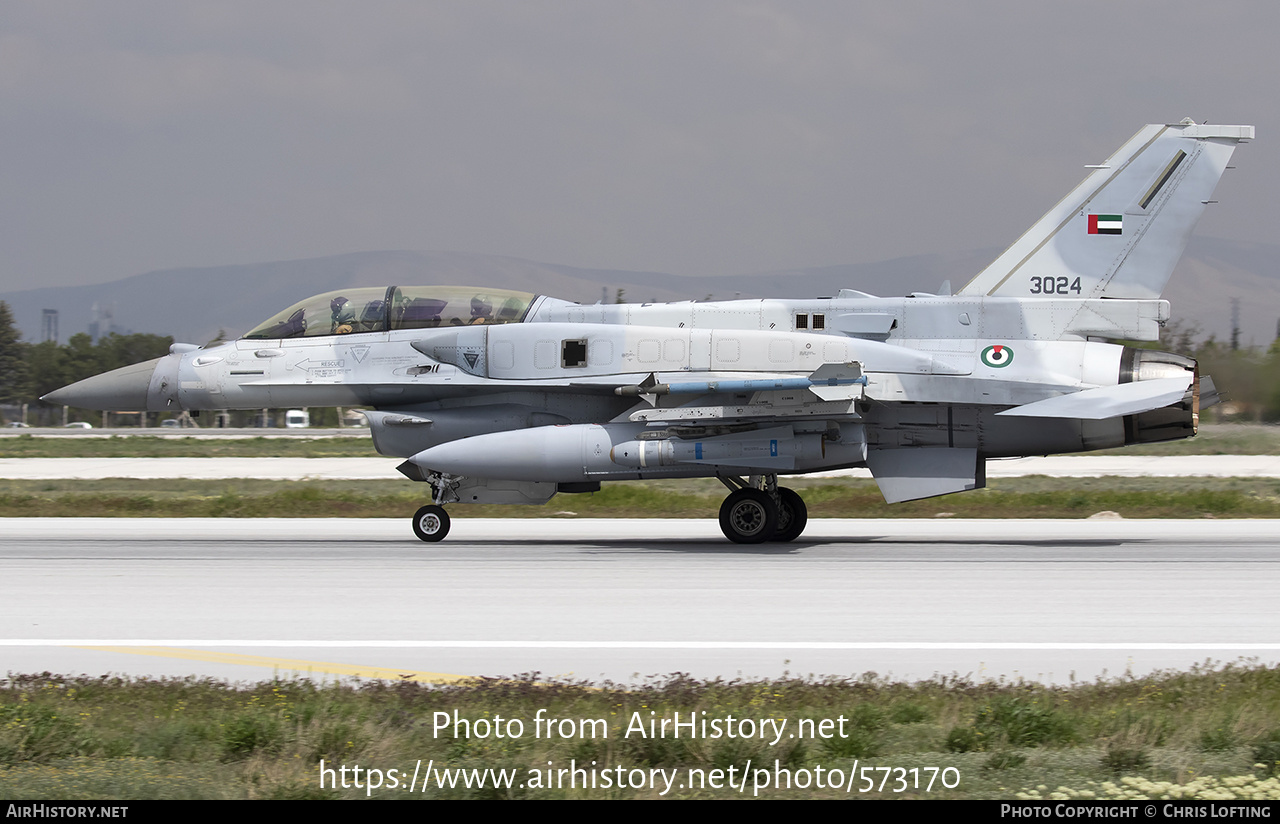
(625, 599)
(1128, 466)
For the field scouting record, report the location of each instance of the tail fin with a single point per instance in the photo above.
(1120, 232)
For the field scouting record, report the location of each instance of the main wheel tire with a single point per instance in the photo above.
(431, 523)
(748, 516)
(793, 515)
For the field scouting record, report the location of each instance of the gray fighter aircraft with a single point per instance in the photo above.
(495, 396)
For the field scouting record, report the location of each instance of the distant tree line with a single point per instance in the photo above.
(1248, 377)
(29, 370)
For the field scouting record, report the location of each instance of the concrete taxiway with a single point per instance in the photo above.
(624, 599)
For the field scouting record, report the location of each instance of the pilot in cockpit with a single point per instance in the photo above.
(481, 310)
(344, 315)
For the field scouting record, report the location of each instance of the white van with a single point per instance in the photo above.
(297, 419)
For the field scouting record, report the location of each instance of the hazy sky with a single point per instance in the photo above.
(692, 136)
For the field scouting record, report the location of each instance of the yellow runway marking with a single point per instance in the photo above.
(292, 665)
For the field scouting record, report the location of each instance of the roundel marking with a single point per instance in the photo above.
(997, 356)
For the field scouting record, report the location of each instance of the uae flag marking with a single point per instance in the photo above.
(1105, 224)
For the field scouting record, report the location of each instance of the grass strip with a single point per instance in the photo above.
(148, 446)
(1035, 497)
(83, 737)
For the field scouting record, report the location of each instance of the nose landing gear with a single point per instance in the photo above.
(431, 522)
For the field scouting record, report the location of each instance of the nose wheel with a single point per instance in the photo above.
(431, 523)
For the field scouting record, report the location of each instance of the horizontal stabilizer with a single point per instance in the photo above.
(1209, 394)
(1108, 401)
(924, 472)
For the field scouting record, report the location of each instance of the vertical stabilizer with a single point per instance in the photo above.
(1120, 232)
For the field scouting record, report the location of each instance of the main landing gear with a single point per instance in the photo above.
(759, 510)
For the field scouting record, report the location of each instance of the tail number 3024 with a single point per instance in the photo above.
(1054, 286)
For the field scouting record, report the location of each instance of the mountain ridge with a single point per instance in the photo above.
(195, 303)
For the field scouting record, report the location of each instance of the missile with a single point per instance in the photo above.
(829, 374)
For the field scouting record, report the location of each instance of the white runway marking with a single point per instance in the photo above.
(690, 645)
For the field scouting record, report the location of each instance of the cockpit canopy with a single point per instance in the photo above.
(378, 309)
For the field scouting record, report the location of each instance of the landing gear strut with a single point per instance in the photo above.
(431, 522)
(759, 510)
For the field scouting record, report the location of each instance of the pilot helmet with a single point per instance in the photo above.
(480, 307)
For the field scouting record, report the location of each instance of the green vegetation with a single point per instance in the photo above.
(1248, 377)
(143, 446)
(1034, 497)
(109, 737)
(14, 371)
(1212, 439)
(29, 370)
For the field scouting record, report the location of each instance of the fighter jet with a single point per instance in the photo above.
(496, 396)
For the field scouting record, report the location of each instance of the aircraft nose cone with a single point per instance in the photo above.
(122, 389)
